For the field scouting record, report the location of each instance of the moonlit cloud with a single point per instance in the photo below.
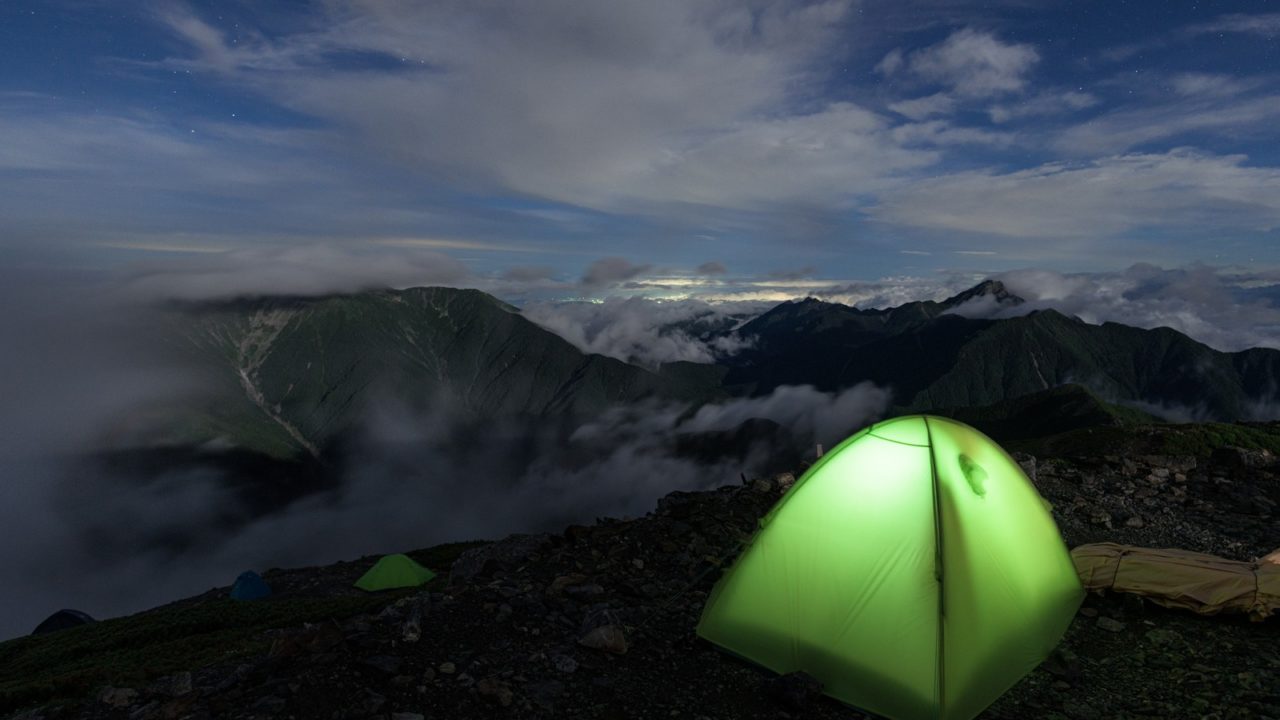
(644, 331)
(611, 269)
(1094, 200)
(1048, 103)
(1133, 127)
(1207, 304)
(291, 270)
(831, 133)
(1265, 24)
(924, 107)
(970, 62)
(634, 103)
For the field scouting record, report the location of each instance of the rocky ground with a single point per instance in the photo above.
(598, 621)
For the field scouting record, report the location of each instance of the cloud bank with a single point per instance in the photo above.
(1208, 305)
(647, 332)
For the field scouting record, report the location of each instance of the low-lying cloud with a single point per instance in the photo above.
(116, 537)
(1209, 305)
(291, 270)
(647, 332)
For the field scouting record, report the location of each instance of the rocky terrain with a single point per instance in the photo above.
(598, 621)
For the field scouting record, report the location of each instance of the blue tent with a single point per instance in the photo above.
(250, 586)
(62, 620)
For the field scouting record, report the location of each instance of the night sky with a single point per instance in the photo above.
(524, 142)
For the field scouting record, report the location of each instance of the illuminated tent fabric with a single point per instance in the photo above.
(250, 586)
(913, 570)
(62, 620)
(394, 571)
(1205, 584)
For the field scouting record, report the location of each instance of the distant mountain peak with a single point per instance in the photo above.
(986, 288)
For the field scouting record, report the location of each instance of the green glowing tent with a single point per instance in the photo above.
(914, 570)
(394, 571)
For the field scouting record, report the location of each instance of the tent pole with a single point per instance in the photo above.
(938, 569)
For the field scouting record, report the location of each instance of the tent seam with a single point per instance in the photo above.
(940, 668)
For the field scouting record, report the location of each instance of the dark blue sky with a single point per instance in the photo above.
(836, 140)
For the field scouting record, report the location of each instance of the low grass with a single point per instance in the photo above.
(1199, 440)
(130, 651)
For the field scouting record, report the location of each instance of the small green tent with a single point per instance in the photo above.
(394, 571)
(913, 570)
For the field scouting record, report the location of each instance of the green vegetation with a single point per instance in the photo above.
(70, 664)
(1049, 412)
(1199, 440)
(287, 373)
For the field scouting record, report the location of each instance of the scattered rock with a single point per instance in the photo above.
(495, 689)
(564, 663)
(386, 664)
(313, 640)
(1238, 457)
(1110, 625)
(608, 638)
(269, 704)
(558, 585)
(546, 693)
(489, 645)
(588, 590)
(796, 691)
(117, 697)
(512, 551)
(411, 631)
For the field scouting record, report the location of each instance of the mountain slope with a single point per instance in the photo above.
(1161, 367)
(1049, 412)
(506, 629)
(935, 358)
(288, 375)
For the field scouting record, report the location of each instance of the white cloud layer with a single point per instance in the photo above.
(1206, 304)
(606, 105)
(643, 331)
(291, 270)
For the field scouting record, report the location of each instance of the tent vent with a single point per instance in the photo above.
(976, 476)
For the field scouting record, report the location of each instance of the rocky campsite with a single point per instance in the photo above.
(598, 621)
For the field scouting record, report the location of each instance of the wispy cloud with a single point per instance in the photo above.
(1091, 201)
(653, 103)
(1044, 103)
(1264, 24)
(924, 107)
(611, 269)
(1136, 126)
(970, 62)
(291, 270)
(161, 247)
(460, 244)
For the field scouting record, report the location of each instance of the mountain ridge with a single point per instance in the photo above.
(288, 375)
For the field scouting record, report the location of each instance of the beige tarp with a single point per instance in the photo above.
(1205, 584)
